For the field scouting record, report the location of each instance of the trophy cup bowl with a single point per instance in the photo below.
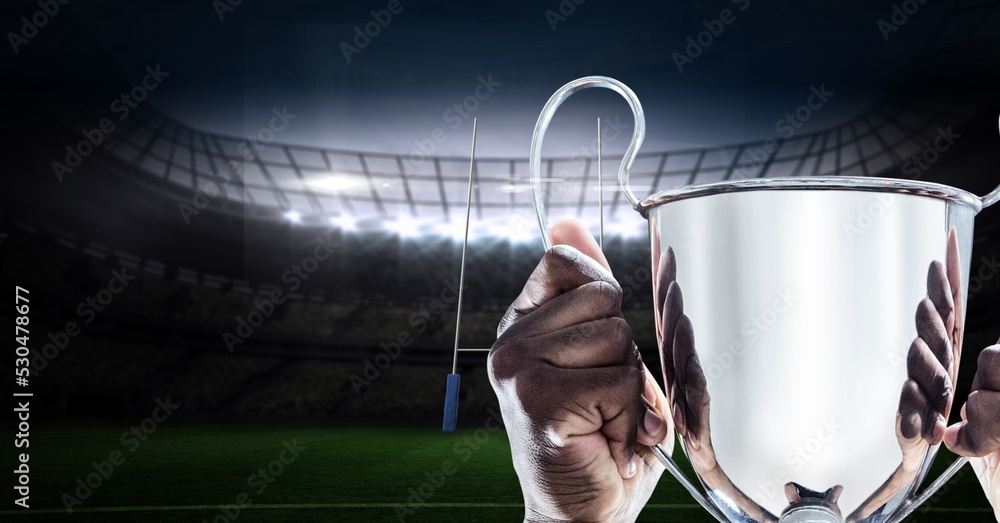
(792, 314)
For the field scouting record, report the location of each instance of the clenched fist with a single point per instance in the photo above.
(580, 407)
(978, 435)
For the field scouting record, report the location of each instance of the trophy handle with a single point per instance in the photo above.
(992, 197)
(535, 160)
(910, 506)
(676, 471)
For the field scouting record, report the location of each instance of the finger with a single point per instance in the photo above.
(653, 429)
(673, 308)
(939, 291)
(953, 265)
(561, 269)
(933, 379)
(979, 435)
(599, 343)
(666, 273)
(692, 388)
(988, 370)
(654, 240)
(656, 424)
(588, 302)
(931, 329)
(917, 418)
(574, 234)
(621, 428)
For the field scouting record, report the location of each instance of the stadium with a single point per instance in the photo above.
(209, 306)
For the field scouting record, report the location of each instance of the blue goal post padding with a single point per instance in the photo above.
(451, 404)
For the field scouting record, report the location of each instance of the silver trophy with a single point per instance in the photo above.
(810, 331)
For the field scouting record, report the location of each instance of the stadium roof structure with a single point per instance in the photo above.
(352, 188)
(260, 178)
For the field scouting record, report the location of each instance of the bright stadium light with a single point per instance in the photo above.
(293, 216)
(453, 230)
(521, 228)
(344, 222)
(333, 183)
(624, 229)
(404, 228)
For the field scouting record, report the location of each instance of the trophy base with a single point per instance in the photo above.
(809, 506)
(810, 514)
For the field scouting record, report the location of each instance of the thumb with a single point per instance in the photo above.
(574, 234)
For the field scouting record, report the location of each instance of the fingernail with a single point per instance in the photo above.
(693, 442)
(633, 467)
(648, 393)
(950, 437)
(678, 417)
(652, 423)
(940, 427)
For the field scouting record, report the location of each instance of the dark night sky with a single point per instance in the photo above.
(227, 75)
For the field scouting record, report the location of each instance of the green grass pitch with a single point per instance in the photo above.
(185, 472)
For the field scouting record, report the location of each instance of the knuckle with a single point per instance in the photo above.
(982, 411)
(610, 292)
(941, 384)
(982, 416)
(502, 360)
(496, 366)
(633, 378)
(925, 312)
(989, 359)
(601, 297)
(560, 257)
(620, 330)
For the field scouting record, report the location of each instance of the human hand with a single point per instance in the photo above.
(580, 407)
(978, 435)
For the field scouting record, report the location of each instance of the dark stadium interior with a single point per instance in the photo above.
(195, 277)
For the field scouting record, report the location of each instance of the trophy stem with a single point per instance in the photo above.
(677, 473)
(908, 508)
